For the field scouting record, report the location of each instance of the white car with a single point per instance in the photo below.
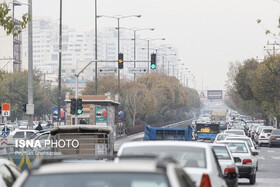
(73, 173)
(236, 132)
(197, 159)
(19, 134)
(227, 164)
(221, 137)
(257, 132)
(264, 135)
(249, 142)
(244, 158)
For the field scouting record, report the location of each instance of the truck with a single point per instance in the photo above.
(207, 131)
(161, 133)
(72, 141)
(218, 116)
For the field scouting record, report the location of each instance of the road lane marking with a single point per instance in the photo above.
(261, 158)
(276, 157)
(270, 151)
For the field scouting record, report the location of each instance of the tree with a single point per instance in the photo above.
(7, 21)
(106, 83)
(266, 87)
(138, 100)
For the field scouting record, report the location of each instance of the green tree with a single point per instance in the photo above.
(7, 21)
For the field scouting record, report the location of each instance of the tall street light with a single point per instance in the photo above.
(118, 17)
(30, 66)
(148, 49)
(134, 38)
(168, 63)
(95, 32)
(59, 66)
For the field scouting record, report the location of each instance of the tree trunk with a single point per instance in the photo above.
(278, 120)
(133, 119)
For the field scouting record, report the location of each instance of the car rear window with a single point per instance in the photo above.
(104, 179)
(275, 132)
(221, 153)
(236, 132)
(221, 137)
(185, 155)
(237, 147)
(246, 140)
(267, 131)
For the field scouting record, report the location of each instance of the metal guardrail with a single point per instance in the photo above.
(181, 124)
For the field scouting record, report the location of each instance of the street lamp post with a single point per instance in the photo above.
(118, 19)
(134, 38)
(30, 64)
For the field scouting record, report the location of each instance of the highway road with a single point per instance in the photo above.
(268, 174)
(269, 167)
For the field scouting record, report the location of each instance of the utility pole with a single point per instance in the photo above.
(96, 47)
(119, 82)
(30, 66)
(148, 56)
(59, 66)
(134, 53)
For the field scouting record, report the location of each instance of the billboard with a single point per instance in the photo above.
(214, 94)
(101, 117)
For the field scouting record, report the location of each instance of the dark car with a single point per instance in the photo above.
(274, 138)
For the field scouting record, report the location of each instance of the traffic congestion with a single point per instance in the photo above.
(193, 153)
(142, 93)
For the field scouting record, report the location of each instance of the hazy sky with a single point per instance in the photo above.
(209, 34)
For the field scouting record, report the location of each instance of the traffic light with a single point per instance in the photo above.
(23, 107)
(73, 106)
(120, 61)
(153, 61)
(79, 106)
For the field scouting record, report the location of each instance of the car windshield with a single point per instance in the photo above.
(221, 152)
(98, 180)
(237, 147)
(236, 132)
(185, 156)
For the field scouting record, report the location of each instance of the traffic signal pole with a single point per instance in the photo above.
(76, 97)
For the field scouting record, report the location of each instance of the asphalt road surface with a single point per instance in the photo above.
(268, 174)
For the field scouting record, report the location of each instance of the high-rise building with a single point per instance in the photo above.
(78, 49)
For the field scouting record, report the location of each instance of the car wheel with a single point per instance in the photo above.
(260, 144)
(269, 145)
(253, 179)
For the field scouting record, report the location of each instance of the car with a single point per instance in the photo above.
(59, 173)
(235, 131)
(257, 132)
(252, 130)
(8, 173)
(274, 138)
(250, 143)
(227, 164)
(264, 135)
(197, 158)
(221, 136)
(244, 158)
(19, 134)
